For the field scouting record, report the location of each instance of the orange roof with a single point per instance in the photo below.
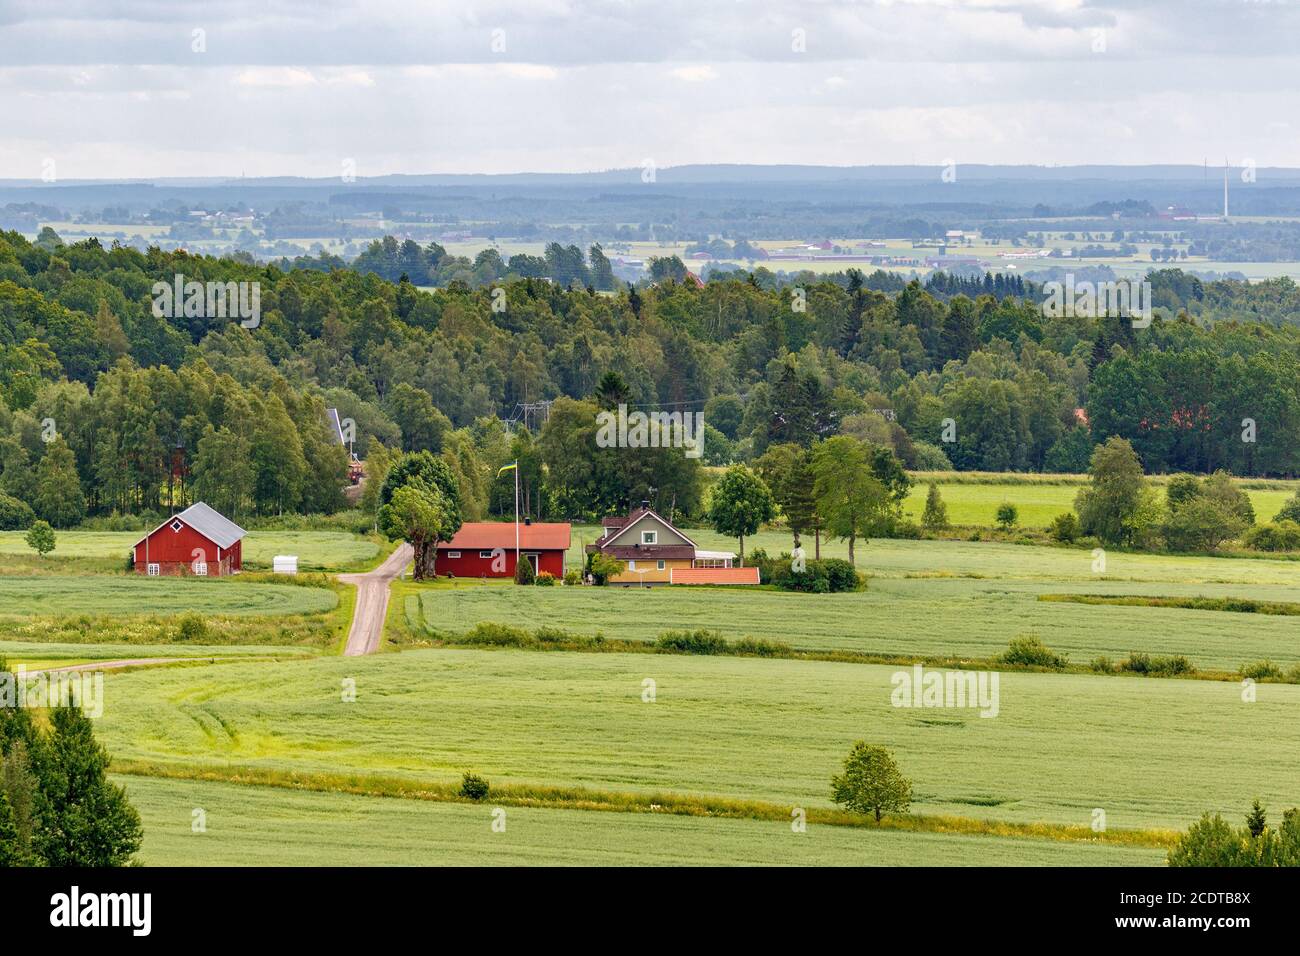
(475, 535)
(713, 576)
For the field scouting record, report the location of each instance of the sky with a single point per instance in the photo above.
(105, 89)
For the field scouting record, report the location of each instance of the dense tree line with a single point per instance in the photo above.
(150, 410)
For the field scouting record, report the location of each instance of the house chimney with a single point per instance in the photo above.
(527, 519)
(645, 504)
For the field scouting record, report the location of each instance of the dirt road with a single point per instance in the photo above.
(372, 602)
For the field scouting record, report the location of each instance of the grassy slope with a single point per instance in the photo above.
(927, 597)
(249, 826)
(1150, 752)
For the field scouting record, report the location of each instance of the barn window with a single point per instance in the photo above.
(201, 568)
(177, 525)
(486, 555)
(152, 570)
(453, 554)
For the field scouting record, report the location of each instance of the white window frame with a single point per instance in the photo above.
(453, 554)
(649, 537)
(200, 569)
(177, 526)
(152, 570)
(659, 566)
(485, 555)
(631, 565)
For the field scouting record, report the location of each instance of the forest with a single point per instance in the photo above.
(107, 408)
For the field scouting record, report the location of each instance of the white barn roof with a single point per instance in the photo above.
(208, 522)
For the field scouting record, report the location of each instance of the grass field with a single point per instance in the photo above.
(316, 550)
(938, 598)
(1150, 752)
(34, 654)
(134, 594)
(261, 826)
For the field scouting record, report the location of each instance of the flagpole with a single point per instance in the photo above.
(516, 516)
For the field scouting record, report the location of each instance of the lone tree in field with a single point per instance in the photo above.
(935, 516)
(40, 538)
(1108, 506)
(850, 499)
(1008, 515)
(741, 502)
(871, 782)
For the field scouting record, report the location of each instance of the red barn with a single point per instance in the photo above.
(486, 549)
(197, 541)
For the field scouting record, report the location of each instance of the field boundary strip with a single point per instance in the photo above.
(695, 805)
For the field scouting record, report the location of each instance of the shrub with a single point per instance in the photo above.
(1029, 651)
(692, 642)
(473, 786)
(840, 575)
(192, 628)
(1201, 524)
(1007, 515)
(1139, 663)
(1282, 535)
(1065, 528)
(524, 572)
(1261, 670)
(572, 577)
(758, 647)
(935, 516)
(40, 537)
(1290, 511)
(602, 567)
(1211, 841)
(545, 579)
(15, 515)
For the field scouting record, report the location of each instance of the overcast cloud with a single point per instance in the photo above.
(145, 88)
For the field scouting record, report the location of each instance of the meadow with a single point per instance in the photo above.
(925, 598)
(316, 550)
(135, 594)
(1151, 753)
(263, 826)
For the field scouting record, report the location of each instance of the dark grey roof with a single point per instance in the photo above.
(213, 525)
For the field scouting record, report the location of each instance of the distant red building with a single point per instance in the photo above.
(486, 549)
(198, 541)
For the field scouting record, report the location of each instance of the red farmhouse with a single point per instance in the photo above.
(197, 541)
(486, 549)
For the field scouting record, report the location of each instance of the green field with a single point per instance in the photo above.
(316, 550)
(135, 594)
(1150, 752)
(261, 826)
(1038, 504)
(937, 598)
(36, 653)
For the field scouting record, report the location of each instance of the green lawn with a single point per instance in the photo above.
(925, 597)
(1149, 752)
(261, 826)
(137, 594)
(1038, 504)
(316, 550)
(34, 654)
